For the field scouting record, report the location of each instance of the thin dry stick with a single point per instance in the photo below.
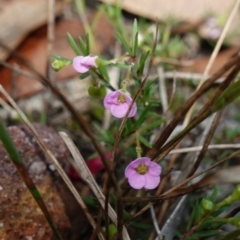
(162, 89)
(195, 77)
(135, 97)
(7, 107)
(207, 141)
(198, 148)
(89, 179)
(19, 71)
(176, 62)
(49, 154)
(203, 113)
(171, 192)
(50, 37)
(214, 55)
(82, 123)
(173, 221)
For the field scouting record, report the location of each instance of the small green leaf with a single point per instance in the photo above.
(134, 38)
(83, 46)
(142, 62)
(106, 136)
(143, 115)
(60, 58)
(122, 66)
(209, 222)
(143, 226)
(91, 201)
(154, 124)
(191, 219)
(145, 142)
(213, 196)
(229, 95)
(73, 44)
(84, 75)
(124, 42)
(233, 235)
(206, 233)
(103, 71)
(87, 44)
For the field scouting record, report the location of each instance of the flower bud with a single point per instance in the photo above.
(58, 64)
(97, 92)
(207, 205)
(83, 64)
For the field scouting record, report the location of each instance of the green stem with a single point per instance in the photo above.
(138, 147)
(126, 81)
(17, 161)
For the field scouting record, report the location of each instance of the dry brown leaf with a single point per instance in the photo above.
(34, 49)
(18, 18)
(183, 9)
(229, 175)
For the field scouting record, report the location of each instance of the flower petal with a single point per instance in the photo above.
(151, 182)
(133, 110)
(111, 99)
(134, 107)
(78, 66)
(129, 170)
(90, 61)
(147, 161)
(154, 169)
(119, 111)
(136, 180)
(82, 64)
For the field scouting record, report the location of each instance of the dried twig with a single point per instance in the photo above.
(162, 89)
(214, 55)
(89, 179)
(50, 38)
(50, 155)
(82, 123)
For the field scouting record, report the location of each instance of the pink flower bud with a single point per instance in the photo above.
(118, 102)
(83, 64)
(143, 173)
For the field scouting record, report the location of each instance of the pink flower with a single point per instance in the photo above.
(82, 64)
(143, 172)
(118, 103)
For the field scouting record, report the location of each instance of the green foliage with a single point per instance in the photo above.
(73, 44)
(97, 92)
(83, 47)
(134, 38)
(123, 42)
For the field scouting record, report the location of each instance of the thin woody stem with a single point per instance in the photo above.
(138, 147)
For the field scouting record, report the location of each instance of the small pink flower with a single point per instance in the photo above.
(82, 64)
(118, 103)
(143, 172)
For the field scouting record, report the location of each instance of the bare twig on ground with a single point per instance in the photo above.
(89, 179)
(214, 55)
(50, 155)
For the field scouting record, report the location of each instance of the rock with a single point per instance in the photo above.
(20, 216)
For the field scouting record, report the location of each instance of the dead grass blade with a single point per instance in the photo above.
(186, 106)
(82, 123)
(89, 179)
(214, 54)
(50, 155)
(206, 111)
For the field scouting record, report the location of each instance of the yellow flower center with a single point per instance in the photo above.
(121, 98)
(142, 168)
